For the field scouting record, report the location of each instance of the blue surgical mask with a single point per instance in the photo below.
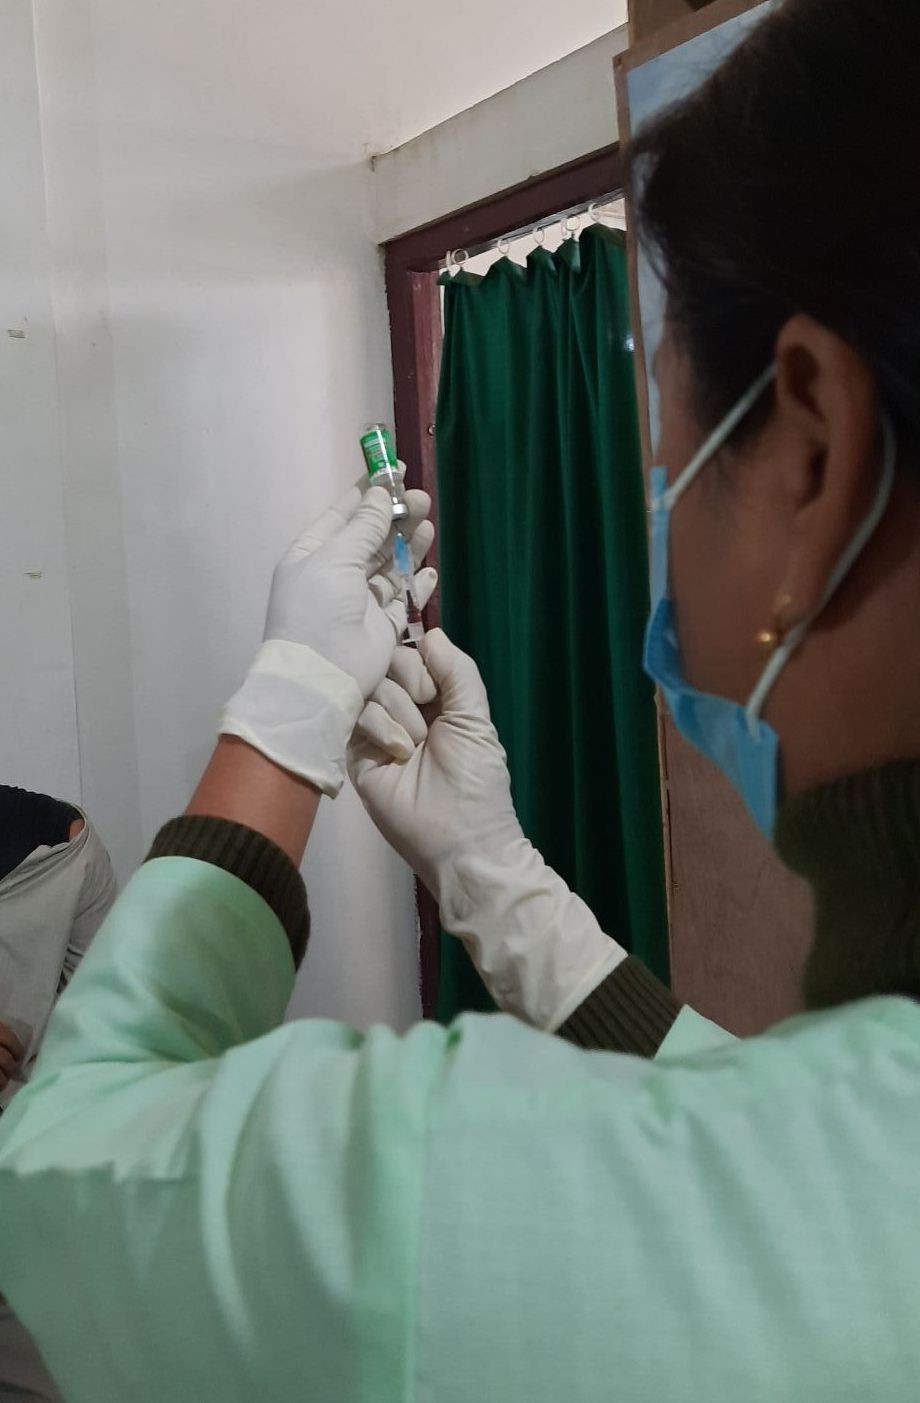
(735, 737)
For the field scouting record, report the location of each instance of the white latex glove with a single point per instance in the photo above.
(445, 805)
(334, 619)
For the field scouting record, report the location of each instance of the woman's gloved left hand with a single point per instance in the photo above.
(439, 791)
(334, 618)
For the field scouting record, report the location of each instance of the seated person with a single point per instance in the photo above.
(56, 887)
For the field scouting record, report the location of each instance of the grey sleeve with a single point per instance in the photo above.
(97, 897)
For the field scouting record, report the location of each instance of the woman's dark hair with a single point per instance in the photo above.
(790, 182)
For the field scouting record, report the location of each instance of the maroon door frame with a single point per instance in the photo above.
(412, 267)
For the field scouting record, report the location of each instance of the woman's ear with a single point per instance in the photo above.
(828, 416)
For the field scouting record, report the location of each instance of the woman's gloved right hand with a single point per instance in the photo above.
(334, 619)
(441, 795)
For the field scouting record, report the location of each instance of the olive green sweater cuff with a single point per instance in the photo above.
(630, 1012)
(255, 859)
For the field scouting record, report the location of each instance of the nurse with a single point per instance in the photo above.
(202, 1203)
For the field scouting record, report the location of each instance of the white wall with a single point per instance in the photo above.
(222, 337)
(38, 737)
(190, 237)
(556, 115)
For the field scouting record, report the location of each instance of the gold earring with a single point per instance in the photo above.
(769, 639)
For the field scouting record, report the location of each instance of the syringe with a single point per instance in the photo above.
(383, 470)
(402, 559)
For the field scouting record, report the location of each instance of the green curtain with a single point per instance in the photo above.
(545, 577)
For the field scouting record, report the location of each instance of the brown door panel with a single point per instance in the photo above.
(648, 16)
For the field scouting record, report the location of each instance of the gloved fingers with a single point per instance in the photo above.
(360, 523)
(386, 588)
(335, 518)
(358, 528)
(396, 701)
(396, 613)
(362, 538)
(392, 721)
(387, 584)
(363, 757)
(426, 582)
(424, 587)
(409, 671)
(377, 729)
(330, 523)
(421, 539)
(455, 674)
(366, 540)
(419, 504)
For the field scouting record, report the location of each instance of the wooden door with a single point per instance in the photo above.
(740, 923)
(648, 16)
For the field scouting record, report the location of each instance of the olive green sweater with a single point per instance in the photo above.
(857, 841)
(630, 1012)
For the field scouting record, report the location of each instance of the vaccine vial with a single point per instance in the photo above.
(379, 451)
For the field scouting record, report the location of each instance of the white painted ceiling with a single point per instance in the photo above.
(342, 78)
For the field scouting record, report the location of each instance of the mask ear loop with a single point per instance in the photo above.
(843, 567)
(717, 439)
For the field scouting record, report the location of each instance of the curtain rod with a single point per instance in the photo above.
(450, 258)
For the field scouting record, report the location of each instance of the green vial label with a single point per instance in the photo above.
(379, 450)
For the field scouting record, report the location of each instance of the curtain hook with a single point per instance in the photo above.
(571, 226)
(504, 246)
(539, 236)
(594, 212)
(460, 258)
